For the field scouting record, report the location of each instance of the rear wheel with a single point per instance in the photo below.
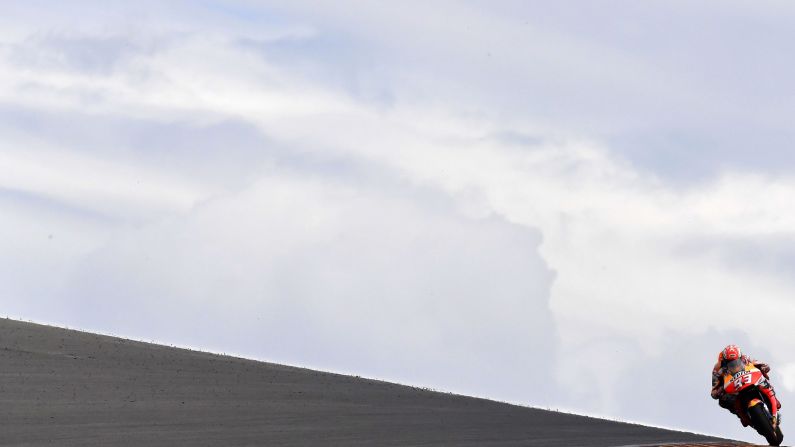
(762, 424)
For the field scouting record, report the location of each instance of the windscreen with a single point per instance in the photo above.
(735, 366)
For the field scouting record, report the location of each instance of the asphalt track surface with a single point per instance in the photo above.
(68, 388)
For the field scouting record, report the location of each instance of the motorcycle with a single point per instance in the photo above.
(746, 382)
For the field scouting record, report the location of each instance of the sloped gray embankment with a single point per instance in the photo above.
(69, 388)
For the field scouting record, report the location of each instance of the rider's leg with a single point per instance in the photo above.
(733, 405)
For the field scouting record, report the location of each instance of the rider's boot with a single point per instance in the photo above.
(744, 419)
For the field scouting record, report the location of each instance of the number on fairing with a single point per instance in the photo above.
(743, 379)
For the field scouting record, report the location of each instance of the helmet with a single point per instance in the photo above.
(731, 352)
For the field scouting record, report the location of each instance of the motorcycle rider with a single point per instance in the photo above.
(729, 401)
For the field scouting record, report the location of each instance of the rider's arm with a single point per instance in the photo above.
(762, 366)
(717, 389)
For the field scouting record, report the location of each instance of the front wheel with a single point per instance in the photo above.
(761, 423)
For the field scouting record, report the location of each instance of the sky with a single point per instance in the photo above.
(564, 205)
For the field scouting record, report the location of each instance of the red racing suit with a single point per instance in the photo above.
(718, 371)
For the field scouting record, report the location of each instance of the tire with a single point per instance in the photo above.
(763, 426)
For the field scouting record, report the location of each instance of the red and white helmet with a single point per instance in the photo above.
(731, 352)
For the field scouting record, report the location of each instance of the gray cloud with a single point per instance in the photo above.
(665, 85)
(221, 151)
(88, 54)
(771, 254)
(333, 59)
